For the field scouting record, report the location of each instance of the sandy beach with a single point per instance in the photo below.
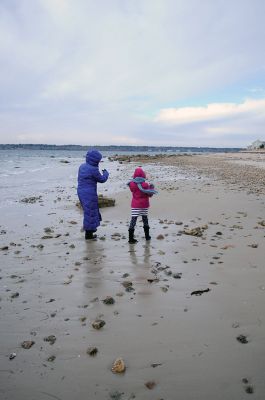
(188, 317)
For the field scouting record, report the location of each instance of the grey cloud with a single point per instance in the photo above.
(106, 67)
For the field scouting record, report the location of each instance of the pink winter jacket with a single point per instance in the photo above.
(139, 199)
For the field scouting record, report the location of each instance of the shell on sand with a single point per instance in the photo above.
(118, 366)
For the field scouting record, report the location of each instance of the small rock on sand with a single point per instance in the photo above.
(242, 339)
(108, 300)
(92, 351)
(27, 344)
(150, 385)
(118, 366)
(51, 339)
(98, 324)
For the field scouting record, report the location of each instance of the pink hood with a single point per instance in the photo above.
(139, 173)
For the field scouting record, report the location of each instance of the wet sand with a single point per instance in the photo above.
(182, 345)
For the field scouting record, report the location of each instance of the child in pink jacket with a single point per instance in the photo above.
(141, 191)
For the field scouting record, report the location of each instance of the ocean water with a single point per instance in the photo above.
(27, 173)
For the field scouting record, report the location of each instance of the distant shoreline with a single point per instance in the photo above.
(118, 148)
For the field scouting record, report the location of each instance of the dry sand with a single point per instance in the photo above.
(182, 346)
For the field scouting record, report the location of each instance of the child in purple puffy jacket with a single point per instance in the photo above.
(141, 192)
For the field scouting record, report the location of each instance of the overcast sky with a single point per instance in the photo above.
(155, 72)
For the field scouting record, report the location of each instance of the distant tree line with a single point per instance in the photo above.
(112, 148)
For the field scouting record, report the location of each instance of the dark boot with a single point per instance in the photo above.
(131, 236)
(146, 232)
(89, 235)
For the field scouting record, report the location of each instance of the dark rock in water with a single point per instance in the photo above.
(98, 324)
(200, 292)
(109, 300)
(219, 233)
(27, 344)
(125, 275)
(242, 339)
(51, 339)
(4, 248)
(64, 162)
(92, 351)
(12, 356)
(160, 237)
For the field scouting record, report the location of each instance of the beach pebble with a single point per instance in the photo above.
(14, 295)
(50, 339)
(98, 324)
(51, 358)
(242, 339)
(27, 344)
(150, 385)
(117, 395)
(249, 389)
(126, 284)
(92, 351)
(108, 300)
(12, 356)
(4, 248)
(118, 366)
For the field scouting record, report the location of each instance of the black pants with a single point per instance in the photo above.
(134, 220)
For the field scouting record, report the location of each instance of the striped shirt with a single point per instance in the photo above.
(136, 212)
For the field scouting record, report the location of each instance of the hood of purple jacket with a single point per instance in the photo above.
(93, 157)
